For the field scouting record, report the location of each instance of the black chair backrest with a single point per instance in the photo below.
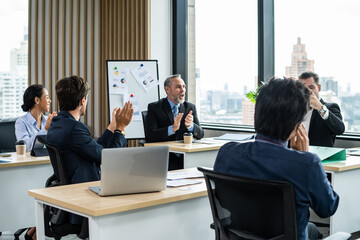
(7, 136)
(56, 161)
(144, 114)
(247, 208)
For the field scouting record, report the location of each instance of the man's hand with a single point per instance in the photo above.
(112, 125)
(49, 119)
(177, 121)
(300, 140)
(123, 116)
(189, 119)
(314, 101)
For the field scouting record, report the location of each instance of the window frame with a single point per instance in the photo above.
(266, 54)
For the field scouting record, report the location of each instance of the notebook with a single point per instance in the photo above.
(133, 170)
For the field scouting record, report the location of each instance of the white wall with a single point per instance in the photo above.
(161, 39)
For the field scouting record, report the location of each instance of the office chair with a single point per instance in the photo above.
(7, 144)
(56, 221)
(246, 208)
(143, 115)
(7, 136)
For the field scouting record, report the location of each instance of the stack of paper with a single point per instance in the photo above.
(177, 179)
(235, 137)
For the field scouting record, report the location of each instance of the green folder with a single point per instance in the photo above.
(329, 154)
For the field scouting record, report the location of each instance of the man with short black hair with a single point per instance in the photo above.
(280, 108)
(323, 121)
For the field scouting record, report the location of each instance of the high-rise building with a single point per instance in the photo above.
(12, 88)
(248, 112)
(299, 61)
(329, 84)
(14, 82)
(19, 58)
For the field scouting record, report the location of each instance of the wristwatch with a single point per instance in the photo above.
(323, 109)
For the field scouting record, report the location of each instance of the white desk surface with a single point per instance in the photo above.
(79, 198)
(24, 160)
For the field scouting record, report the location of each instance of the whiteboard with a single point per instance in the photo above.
(134, 80)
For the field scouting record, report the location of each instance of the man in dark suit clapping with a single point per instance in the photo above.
(81, 153)
(169, 118)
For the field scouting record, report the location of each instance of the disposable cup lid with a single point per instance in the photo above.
(20, 142)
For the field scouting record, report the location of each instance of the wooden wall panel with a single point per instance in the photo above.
(121, 31)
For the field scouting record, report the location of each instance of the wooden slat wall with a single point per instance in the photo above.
(75, 37)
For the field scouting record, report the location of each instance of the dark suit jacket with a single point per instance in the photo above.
(323, 132)
(160, 117)
(266, 158)
(81, 154)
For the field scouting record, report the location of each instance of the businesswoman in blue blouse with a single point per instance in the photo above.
(34, 122)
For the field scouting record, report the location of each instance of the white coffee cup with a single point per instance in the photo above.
(188, 137)
(20, 147)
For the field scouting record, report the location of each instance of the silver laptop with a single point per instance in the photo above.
(133, 170)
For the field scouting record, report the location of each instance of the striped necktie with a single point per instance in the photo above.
(175, 110)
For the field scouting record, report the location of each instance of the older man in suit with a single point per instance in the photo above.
(323, 121)
(169, 118)
(80, 152)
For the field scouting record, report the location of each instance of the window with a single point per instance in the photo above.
(226, 60)
(13, 56)
(321, 36)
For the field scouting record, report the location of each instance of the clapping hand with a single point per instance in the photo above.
(189, 119)
(112, 125)
(177, 121)
(123, 116)
(48, 121)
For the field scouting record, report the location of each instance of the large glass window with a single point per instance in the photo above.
(226, 60)
(322, 36)
(13, 56)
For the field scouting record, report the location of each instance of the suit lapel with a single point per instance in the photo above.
(182, 108)
(168, 111)
(313, 116)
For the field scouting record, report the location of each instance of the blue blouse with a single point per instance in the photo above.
(26, 129)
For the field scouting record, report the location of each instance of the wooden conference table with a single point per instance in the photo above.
(176, 213)
(195, 154)
(16, 178)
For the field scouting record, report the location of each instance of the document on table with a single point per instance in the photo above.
(235, 137)
(329, 154)
(182, 175)
(181, 182)
(4, 160)
(353, 151)
(177, 179)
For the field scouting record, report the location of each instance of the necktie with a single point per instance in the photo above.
(175, 111)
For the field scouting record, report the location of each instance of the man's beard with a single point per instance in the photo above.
(177, 99)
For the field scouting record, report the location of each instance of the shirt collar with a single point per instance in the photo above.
(30, 118)
(172, 104)
(262, 138)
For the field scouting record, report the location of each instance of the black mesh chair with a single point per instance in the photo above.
(246, 208)
(7, 136)
(143, 115)
(56, 221)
